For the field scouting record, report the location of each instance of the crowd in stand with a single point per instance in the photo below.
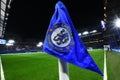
(19, 49)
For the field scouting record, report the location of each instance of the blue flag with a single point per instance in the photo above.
(62, 41)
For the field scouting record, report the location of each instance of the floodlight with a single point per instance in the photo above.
(9, 44)
(11, 41)
(94, 31)
(39, 44)
(79, 34)
(117, 22)
(6, 18)
(85, 33)
(7, 14)
(8, 6)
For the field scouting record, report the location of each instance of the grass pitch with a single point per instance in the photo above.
(41, 66)
(113, 65)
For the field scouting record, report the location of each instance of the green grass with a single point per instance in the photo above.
(45, 67)
(30, 67)
(0, 70)
(82, 74)
(113, 64)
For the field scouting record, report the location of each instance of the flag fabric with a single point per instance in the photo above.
(62, 41)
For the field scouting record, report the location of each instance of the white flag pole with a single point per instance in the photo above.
(106, 47)
(63, 70)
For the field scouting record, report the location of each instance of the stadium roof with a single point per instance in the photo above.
(4, 7)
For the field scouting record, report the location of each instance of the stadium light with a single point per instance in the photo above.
(117, 22)
(7, 14)
(94, 31)
(6, 18)
(85, 33)
(11, 41)
(79, 34)
(39, 44)
(9, 44)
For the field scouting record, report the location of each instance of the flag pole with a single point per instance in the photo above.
(105, 66)
(63, 70)
(106, 47)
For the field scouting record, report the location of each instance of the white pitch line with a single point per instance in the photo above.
(105, 67)
(2, 72)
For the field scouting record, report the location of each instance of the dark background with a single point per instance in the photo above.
(29, 19)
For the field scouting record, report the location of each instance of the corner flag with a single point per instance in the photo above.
(63, 42)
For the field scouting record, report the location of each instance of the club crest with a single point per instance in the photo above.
(60, 37)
